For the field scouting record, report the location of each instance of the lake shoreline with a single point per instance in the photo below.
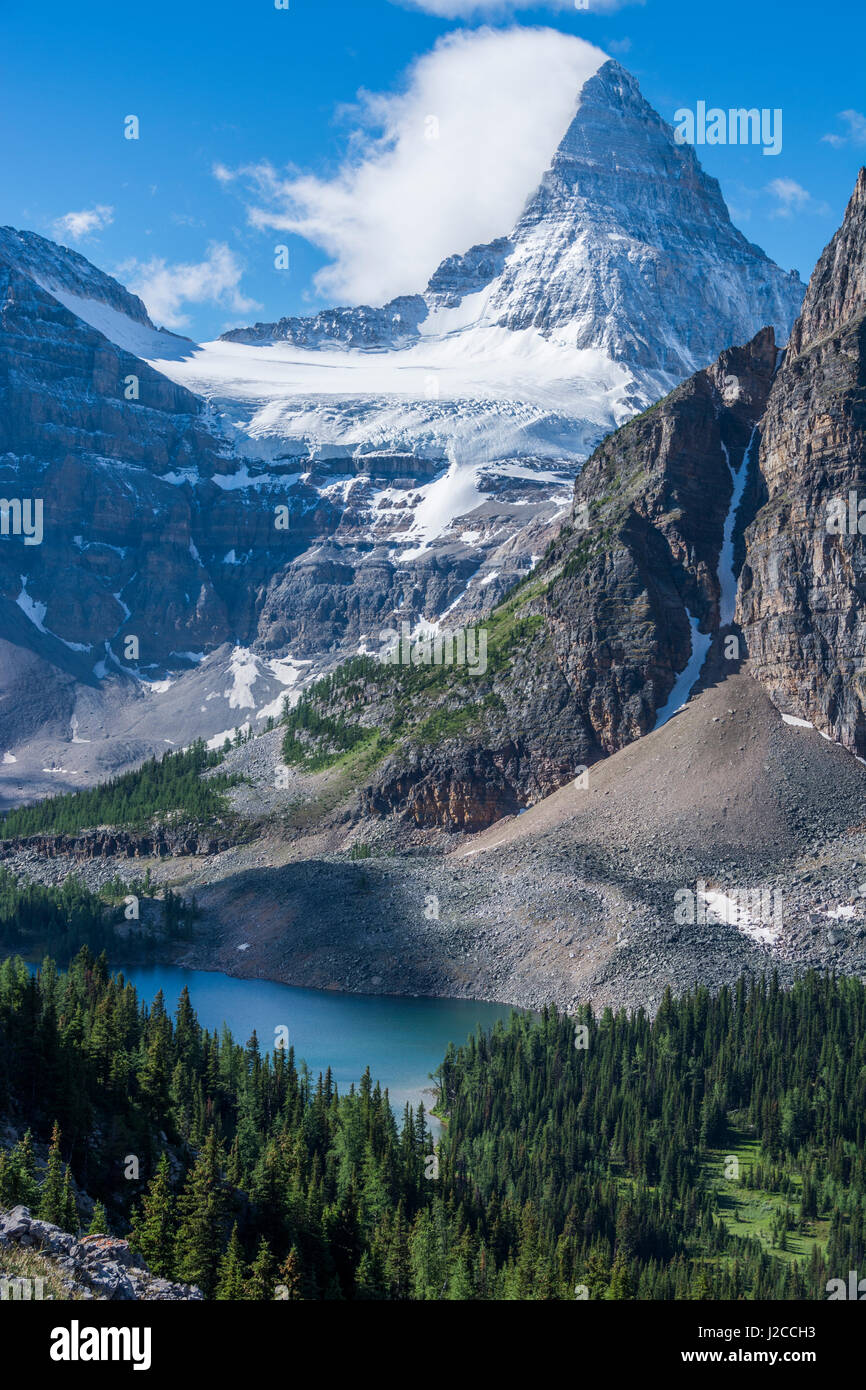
(401, 1039)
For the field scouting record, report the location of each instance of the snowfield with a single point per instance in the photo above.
(482, 393)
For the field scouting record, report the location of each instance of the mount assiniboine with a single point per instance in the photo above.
(426, 451)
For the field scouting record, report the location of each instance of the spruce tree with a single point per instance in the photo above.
(202, 1208)
(153, 1225)
(99, 1221)
(52, 1198)
(289, 1281)
(71, 1220)
(230, 1275)
(261, 1283)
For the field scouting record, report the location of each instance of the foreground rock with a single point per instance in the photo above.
(89, 1267)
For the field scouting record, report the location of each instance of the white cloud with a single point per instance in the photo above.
(79, 225)
(856, 133)
(166, 288)
(495, 9)
(445, 163)
(793, 197)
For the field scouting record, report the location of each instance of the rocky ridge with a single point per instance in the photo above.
(84, 1267)
(165, 841)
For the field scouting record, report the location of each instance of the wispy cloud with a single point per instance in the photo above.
(80, 225)
(166, 288)
(435, 168)
(854, 135)
(791, 197)
(496, 9)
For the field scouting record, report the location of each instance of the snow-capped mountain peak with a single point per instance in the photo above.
(626, 246)
(623, 275)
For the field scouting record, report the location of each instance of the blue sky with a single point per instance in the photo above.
(247, 110)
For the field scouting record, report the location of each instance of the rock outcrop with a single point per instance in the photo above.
(802, 589)
(87, 1267)
(176, 842)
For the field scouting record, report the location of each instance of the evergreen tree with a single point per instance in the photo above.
(230, 1277)
(261, 1283)
(202, 1209)
(289, 1280)
(52, 1198)
(153, 1225)
(99, 1221)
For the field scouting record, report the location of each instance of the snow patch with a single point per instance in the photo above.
(119, 328)
(177, 479)
(232, 482)
(684, 683)
(32, 608)
(215, 744)
(720, 907)
(727, 578)
(244, 672)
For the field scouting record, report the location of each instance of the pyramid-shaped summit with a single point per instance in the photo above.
(626, 246)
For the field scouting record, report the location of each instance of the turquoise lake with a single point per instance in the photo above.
(402, 1040)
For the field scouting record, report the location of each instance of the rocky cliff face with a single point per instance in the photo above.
(608, 635)
(174, 842)
(118, 538)
(643, 572)
(801, 599)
